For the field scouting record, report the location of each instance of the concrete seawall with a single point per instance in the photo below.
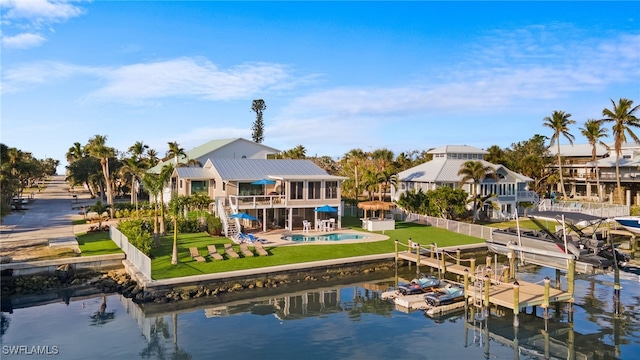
(48, 267)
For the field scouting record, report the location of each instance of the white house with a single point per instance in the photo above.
(510, 189)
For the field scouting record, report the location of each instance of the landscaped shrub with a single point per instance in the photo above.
(139, 233)
(634, 210)
(214, 225)
(185, 226)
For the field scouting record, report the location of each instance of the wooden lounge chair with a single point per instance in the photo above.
(195, 255)
(259, 249)
(245, 250)
(213, 252)
(229, 250)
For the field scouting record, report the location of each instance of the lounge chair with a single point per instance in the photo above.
(254, 239)
(259, 249)
(195, 255)
(229, 250)
(245, 250)
(213, 252)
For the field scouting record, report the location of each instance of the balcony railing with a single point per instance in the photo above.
(256, 201)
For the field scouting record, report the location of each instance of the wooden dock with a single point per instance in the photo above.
(485, 286)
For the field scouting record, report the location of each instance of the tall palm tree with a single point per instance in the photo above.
(134, 169)
(559, 122)
(623, 118)
(165, 179)
(175, 151)
(176, 206)
(75, 153)
(97, 148)
(355, 157)
(138, 149)
(153, 185)
(382, 159)
(475, 171)
(152, 157)
(593, 132)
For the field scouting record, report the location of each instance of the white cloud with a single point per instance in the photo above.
(28, 17)
(39, 12)
(185, 77)
(136, 83)
(22, 41)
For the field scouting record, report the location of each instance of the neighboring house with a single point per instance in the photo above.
(237, 148)
(579, 171)
(291, 191)
(511, 189)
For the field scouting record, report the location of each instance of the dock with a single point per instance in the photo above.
(486, 285)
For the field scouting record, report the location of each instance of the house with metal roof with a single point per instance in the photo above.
(236, 148)
(582, 174)
(510, 190)
(279, 193)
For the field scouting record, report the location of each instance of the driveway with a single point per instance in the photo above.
(46, 220)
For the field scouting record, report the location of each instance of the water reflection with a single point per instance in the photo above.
(343, 321)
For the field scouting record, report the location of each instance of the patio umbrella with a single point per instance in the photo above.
(326, 209)
(264, 183)
(243, 215)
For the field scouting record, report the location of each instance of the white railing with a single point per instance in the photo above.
(257, 201)
(479, 231)
(137, 258)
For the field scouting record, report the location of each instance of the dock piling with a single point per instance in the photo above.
(516, 303)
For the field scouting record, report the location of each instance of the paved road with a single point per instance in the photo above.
(47, 217)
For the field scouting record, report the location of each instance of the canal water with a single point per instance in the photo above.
(336, 322)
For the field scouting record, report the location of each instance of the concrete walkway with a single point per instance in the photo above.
(45, 220)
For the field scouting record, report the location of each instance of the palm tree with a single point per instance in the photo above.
(623, 118)
(99, 208)
(298, 152)
(75, 153)
(138, 149)
(165, 179)
(475, 171)
(559, 122)
(355, 157)
(152, 157)
(97, 148)
(176, 206)
(175, 151)
(133, 168)
(153, 185)
(593, 132)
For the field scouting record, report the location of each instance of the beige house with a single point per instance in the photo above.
(279, 193)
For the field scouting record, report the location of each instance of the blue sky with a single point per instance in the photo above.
(334, 75)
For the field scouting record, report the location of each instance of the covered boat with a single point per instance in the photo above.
(446, 295)
(549, 247)
(631, 223)
(425, 283)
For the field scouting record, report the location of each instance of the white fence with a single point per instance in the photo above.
(479, 231)
(135, 256)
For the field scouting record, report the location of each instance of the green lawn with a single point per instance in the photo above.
(97, 244)
(282, 255)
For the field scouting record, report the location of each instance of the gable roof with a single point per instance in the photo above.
(205, 149)
(446, 170)
(255, 169)
(457, 149)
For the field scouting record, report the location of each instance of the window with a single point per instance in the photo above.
(180, 183)
(199, 187)
(313, 190)
(331, 190)
(296, 190)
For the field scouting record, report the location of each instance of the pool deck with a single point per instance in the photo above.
(274, 237)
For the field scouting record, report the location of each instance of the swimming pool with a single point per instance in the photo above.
(326, 237)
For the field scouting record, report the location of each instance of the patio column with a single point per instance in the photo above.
(339, 222)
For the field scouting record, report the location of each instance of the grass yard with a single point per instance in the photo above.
(98, 243)
(282, 255)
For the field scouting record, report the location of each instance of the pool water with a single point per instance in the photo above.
(326, 237)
